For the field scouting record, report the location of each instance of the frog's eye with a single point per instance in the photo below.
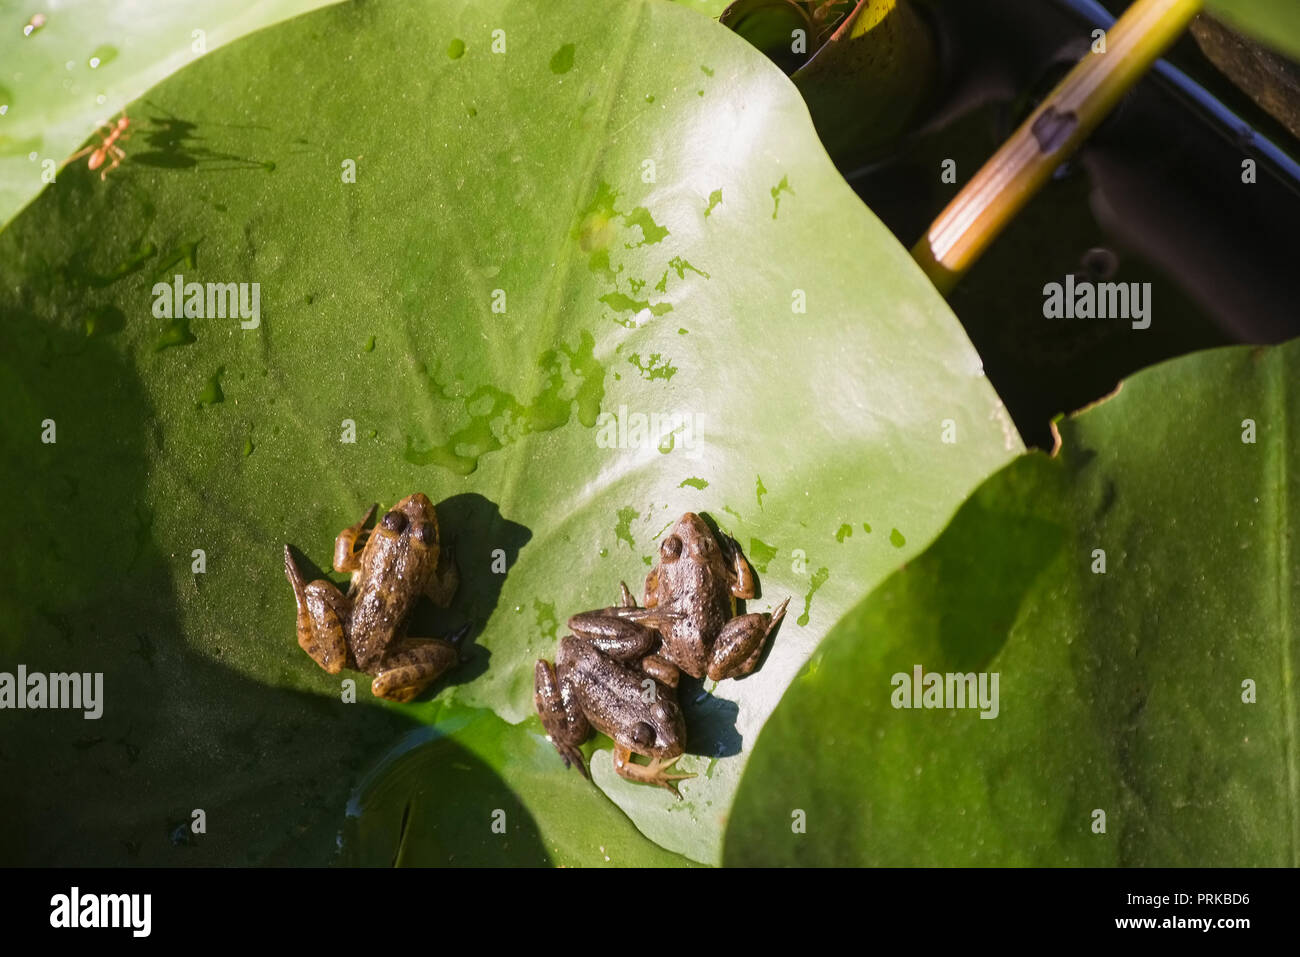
(427, 534)
(394, 521)
(670, 548)
(643, 735)
(703, 546)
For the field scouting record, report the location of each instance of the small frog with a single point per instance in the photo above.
(401, 560)
(595, 681)
(690, 600)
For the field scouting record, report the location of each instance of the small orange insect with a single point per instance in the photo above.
(107, 146)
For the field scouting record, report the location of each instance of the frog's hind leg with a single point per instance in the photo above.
(661, 670)
(322, 609)
(561, 716)
(614, 632)
(740, 643)
(411, 665)
(346, 558)
(652, 773)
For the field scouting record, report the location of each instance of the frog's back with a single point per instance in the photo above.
(383, 595)
(376, 616)
(702, 601)
(606, 689)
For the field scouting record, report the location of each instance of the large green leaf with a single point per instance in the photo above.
(641, 197)
(75, 66)
(1123, 687)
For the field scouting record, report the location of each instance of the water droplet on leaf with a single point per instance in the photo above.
(562, 61)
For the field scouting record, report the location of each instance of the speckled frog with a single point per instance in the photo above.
(402, 559)
(596, 681)
(690, 600)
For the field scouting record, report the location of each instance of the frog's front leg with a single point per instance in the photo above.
(322, 610)
(743, 584)
(652, 773)
(740, 643)
(445, 580)
(411, 665)
(651, 587)
(346, 558)
(557, 705)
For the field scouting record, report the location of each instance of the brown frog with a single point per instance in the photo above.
(401, 560)
(690, 601)
(595, 681)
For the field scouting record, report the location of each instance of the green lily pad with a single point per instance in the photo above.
(547, 276)
(1137, 597)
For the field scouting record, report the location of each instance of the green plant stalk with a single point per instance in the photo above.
(1069, 114)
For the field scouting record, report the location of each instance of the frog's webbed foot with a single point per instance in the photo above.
(322, 609)
(446, 577)
(652, 773)
(563, 720)
(411, 665)
(743, 584)
(740, 643)
(346, 558)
